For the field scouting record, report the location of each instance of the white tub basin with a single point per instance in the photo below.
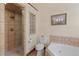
(63, 50)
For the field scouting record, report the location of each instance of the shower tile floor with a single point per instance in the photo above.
(9, 53)
(18, 52)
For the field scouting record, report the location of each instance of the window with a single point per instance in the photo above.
(32, 23)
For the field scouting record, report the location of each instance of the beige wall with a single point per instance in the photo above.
(71, 29)
(2, 29)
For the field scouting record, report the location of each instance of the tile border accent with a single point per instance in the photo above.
(64, 40)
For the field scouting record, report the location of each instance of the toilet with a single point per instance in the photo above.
(41, 43)
(40, 49)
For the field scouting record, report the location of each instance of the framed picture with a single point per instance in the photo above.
(59, 19)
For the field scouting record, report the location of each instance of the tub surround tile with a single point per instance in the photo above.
(64, 40)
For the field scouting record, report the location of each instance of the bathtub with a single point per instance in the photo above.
(63, 50)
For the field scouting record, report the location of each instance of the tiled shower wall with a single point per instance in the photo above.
(64, 40)
(14, 31)
(2, 29)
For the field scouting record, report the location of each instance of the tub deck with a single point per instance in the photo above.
(62, 50)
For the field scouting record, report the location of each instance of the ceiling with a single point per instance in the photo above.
(46, 6)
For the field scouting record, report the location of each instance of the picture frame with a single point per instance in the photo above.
(59, 19)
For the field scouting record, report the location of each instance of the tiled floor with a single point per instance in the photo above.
(9, 53)
(33, 53)
(14, 53)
